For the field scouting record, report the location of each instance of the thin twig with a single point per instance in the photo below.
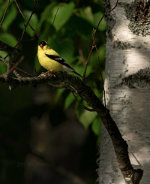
(24, 72)
(55, 16)
(7, 48)
(98, 56)
(20, 11)
(3, 61)
(14, 66)
(4, 13)
(104, 101)
(86, 64)
(95, 31)
(16, 74)
(25, 26)
(57, 85)
(17, 68)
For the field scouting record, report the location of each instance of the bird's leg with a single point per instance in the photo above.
(48, 72)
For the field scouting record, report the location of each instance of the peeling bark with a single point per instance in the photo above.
(127, 88)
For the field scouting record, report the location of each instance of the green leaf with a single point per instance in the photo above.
(59, 94)
(10, 17)
(87, 117)
(102, 51)
(69, 100)
(96, 125)
(3, 54)
(65, 49)
(47, 30)
(3, 67)
(3, 6)
(63, 15)
(37, 65)
(33, 22)
(78, 68)
(47, 14)
(8, 38)
(80, 26)
(86, 13)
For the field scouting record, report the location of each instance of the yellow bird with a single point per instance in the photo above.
(51, 60)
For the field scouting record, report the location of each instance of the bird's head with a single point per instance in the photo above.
(43, 45)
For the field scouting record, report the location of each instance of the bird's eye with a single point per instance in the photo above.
(43, 43)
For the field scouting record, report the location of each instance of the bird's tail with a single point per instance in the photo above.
(68, 68)
(77, 73)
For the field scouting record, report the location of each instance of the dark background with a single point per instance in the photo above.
(45, 135)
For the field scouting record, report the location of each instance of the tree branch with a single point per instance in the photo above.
(131, 175)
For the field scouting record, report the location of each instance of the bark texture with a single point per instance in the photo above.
(127, 54)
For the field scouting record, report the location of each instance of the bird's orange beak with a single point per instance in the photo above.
(41, 46)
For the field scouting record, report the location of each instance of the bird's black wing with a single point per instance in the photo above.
(62, 61)
(59, 60)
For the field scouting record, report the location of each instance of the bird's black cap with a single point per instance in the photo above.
(43, 43)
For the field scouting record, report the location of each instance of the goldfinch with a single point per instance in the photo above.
(51, 60)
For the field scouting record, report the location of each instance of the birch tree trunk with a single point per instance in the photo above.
(127, 87)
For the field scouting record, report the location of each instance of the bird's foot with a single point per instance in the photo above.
(47, 73)
(50, 73)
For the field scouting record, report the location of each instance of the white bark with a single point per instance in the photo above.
(126, 54)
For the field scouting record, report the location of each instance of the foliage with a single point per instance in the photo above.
(68, 28)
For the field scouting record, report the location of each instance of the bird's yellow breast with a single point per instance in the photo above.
(46, 62)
